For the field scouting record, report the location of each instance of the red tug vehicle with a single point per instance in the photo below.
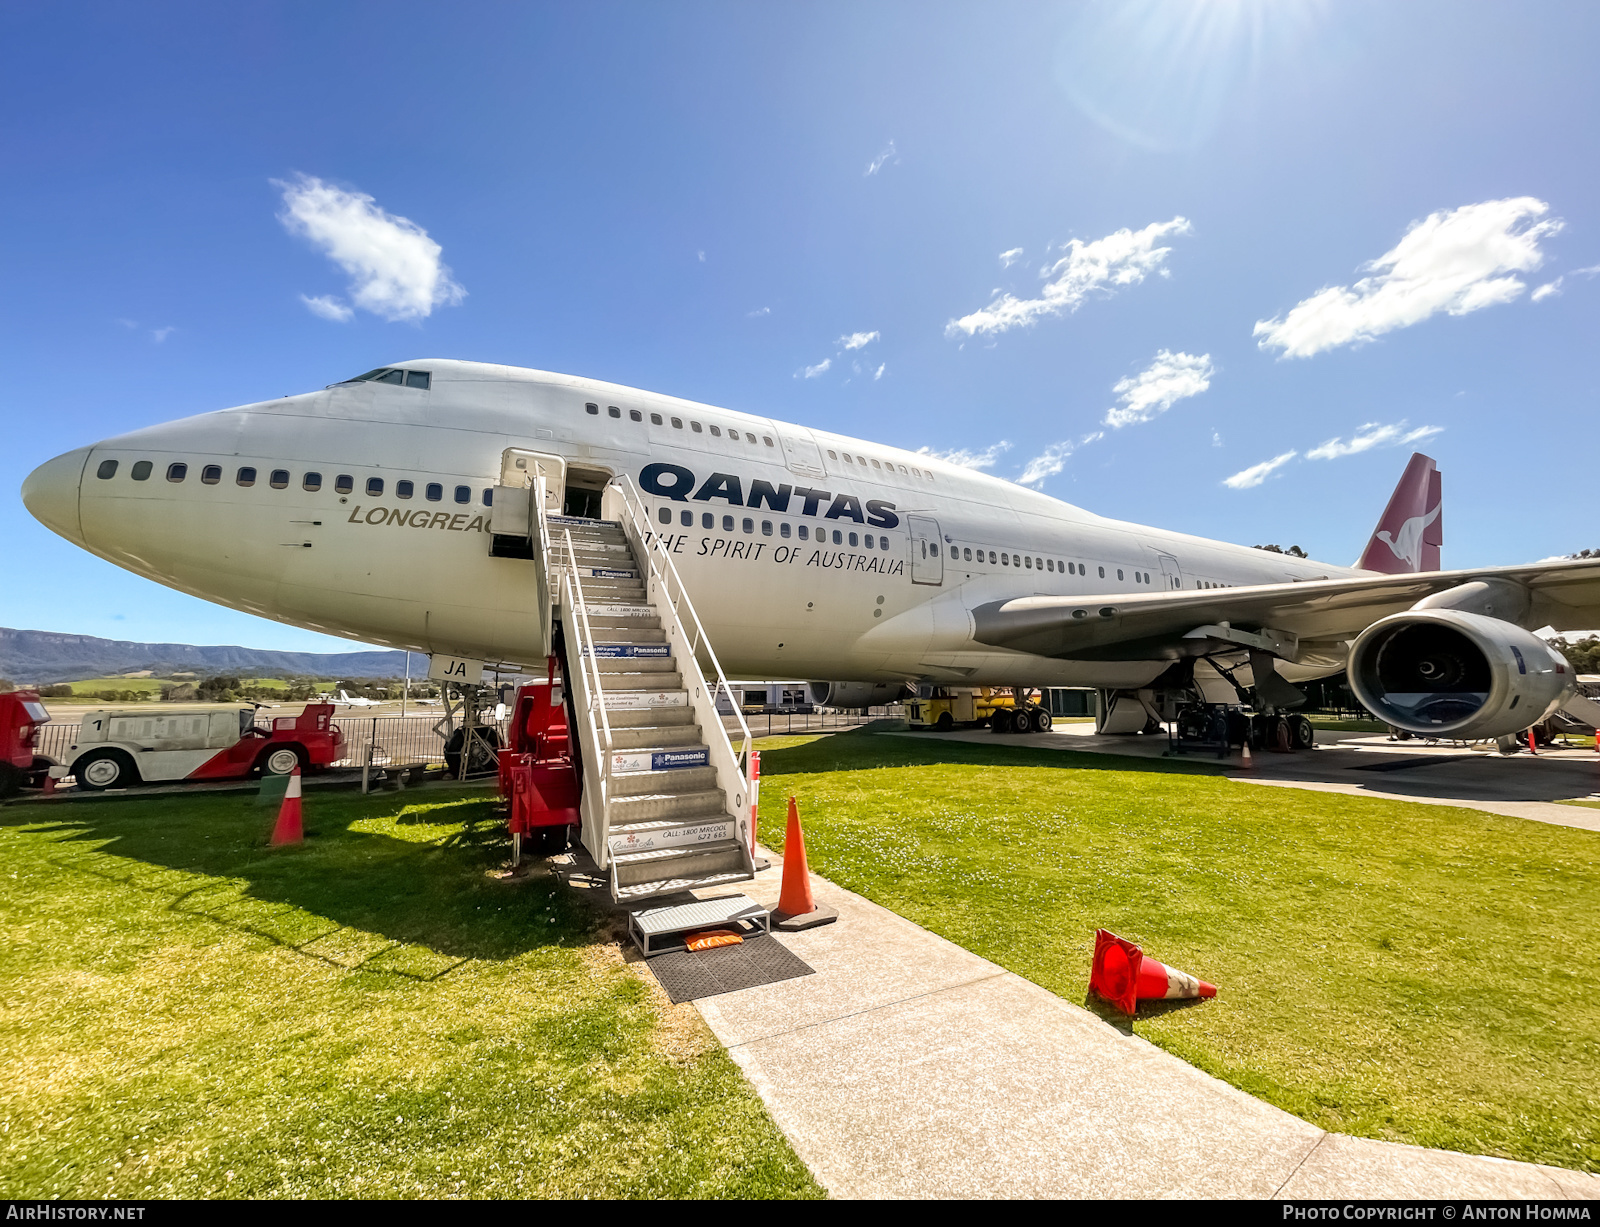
(538, 777)
(22, 714)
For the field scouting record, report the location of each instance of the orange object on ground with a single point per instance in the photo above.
(1122, 973)
(710, 939)
(795, 897)
(287, 830)
(1248, 765)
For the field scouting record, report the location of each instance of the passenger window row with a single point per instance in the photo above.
(278, 479)
(965, 554)
(783, 529)
(634, 415)
(863, 461)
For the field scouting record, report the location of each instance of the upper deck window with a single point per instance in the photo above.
(141, 471)
(374, 487)
(614, 411)
(177, 472)
(635, 416)
(463, 494)
(694, 426)
(279, 479)
(655, 419)
(592, 410)
(677, 423)
(246, 476)
(716, 432)
(211, 474)
(107, 470)
(404, 489)
(344, 483)
(312, 482)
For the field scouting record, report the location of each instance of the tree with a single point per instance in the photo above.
(1583, 656)
(1294, 551)
(1585, 554)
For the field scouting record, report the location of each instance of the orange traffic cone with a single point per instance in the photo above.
(1122, 973)
(288, 829)
(796, 908)
(1248, 765)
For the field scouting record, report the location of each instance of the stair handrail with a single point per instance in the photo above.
(668, 579)
(589, 666)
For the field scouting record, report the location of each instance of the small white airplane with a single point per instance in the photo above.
(364, 510)
(345, 699)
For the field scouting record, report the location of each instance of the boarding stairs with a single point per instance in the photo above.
(666, 797)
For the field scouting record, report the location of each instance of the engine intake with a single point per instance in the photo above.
(857, 694)
(1462, 676)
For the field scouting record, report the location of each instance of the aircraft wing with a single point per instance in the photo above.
(1565, 595)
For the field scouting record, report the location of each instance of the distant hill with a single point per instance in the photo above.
(44, 658)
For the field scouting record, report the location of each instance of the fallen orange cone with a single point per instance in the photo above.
(1123, 974)
(287, 830)
(796, 908)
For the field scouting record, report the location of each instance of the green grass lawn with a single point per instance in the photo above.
(186, 1014)
(1412, 972)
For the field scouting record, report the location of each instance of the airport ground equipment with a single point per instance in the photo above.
(22, 715)
(119, 747)
(1124, 974)
(948, 707)
(665, 796)
(648, 926)
(1220, 729)
(538, 778)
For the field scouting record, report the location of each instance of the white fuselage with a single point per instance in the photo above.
(787, 588)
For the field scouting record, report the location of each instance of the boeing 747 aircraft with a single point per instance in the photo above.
(364, 510)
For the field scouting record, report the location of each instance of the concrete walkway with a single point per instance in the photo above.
(909, 1067)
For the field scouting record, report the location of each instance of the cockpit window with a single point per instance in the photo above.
(387, 374)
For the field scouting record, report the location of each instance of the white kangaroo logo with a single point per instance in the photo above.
(1407, 545)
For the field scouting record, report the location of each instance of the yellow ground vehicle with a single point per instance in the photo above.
(947, 708)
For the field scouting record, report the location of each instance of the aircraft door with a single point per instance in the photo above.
(801, 453)
(512, 515)
(927, 550)
(1171, 571)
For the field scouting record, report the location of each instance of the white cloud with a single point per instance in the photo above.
(394, 267)
(1047, 464)
(328, 307)
(1008, 258)
(878, 374)
(1591, 271)
(1458, 262)
(161, 334)
(1120, 259)
(857, 340)
(1245, 479)
(1546, 290)
(811, 372)
(759, 312)
(1370, 436)
(702, 256)
(969, 459)
(1169, 379)
(878, 163)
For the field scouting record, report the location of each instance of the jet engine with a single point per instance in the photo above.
(1461, 676)
(857, 694)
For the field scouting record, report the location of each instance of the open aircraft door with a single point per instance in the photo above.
(927, 550)
(1170, 571)
(532, 486)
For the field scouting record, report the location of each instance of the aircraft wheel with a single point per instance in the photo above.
(102, 769)
(1021, 722)
(282, 760)
(1302, 736)
(481, 762)
(1000, 722)
(1042, 721)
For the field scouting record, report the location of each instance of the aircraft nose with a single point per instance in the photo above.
(50, 493)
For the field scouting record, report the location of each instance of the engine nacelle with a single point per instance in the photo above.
(857, 694)
(1461, 676)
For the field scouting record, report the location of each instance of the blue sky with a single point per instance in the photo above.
(708, 200)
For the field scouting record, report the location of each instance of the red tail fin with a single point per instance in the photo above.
(1411, 531)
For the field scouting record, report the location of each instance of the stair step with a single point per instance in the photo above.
(663, 783)
(651, 736)
(671, 886)
(642, 681)
(647, 807)
(628, 632)
(670, 833)
(674, 864)
(635, 664)
(646, 717)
